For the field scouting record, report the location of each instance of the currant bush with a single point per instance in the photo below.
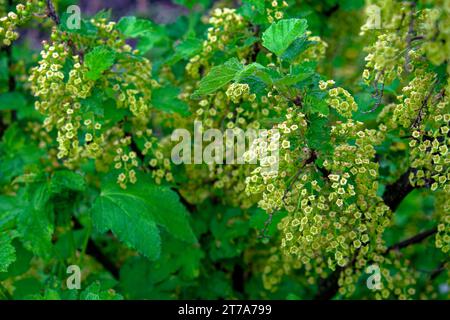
(343, 191)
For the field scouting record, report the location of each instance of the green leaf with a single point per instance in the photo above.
(66, 180)
(26, 288)
(315, 103)
(17, 152)
(166, 99)
(8, 212)
(254, 11)
(133, 27)
(185, 50)
(249, 70)
(291, 79)
(35, 220)
(98, 60)
(134, 213)
(103, 14)
(294, 50)
(95, 292)
(7, 251)
(12, 101)
(218, 77)
(229, 230)
(191, 3)
(21, 263)
(129, 220)
(280, 35)
(258, 5)
(259, 218)
(318, 134)
(93, 104)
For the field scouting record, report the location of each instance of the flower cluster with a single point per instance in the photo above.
(225, 24)
(273, 152)
(334, 211)
(274, 11)
(339, 99)
(126, 163)
(65, 97)
(443, 216)
(435, 28)
(238, 91)
(314, 52)
(159, 162)
(415, 99)
(13, 20)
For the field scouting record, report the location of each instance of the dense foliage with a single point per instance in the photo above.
(356, 93)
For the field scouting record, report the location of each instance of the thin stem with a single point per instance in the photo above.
(52, 12)
(413, 240)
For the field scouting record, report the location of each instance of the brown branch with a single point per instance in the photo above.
(435, 273)
(264, 231)
(396, 192)
(51, 12)
(329, 286)
(379, 92)
(256, 48)
(413, 240)
(416, 38)
(425, 101)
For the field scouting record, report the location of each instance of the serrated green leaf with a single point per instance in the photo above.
(280, 35)
(249, 70)
(98, 60)
(21, 264)
(258, 5)
(134, 213)
(8, 212)
(7, 250)
(129, 220)
(185, 50)
(316, 104)
(35, 220)
(291, 79)
(295, 49)
(16, 153)
(254, 10)
(66, 180)
(93, 104)
(133, 27)
(318, 134)
(218, 77)
(166, 99)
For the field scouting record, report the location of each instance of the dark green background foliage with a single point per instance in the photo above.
(152, 243)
